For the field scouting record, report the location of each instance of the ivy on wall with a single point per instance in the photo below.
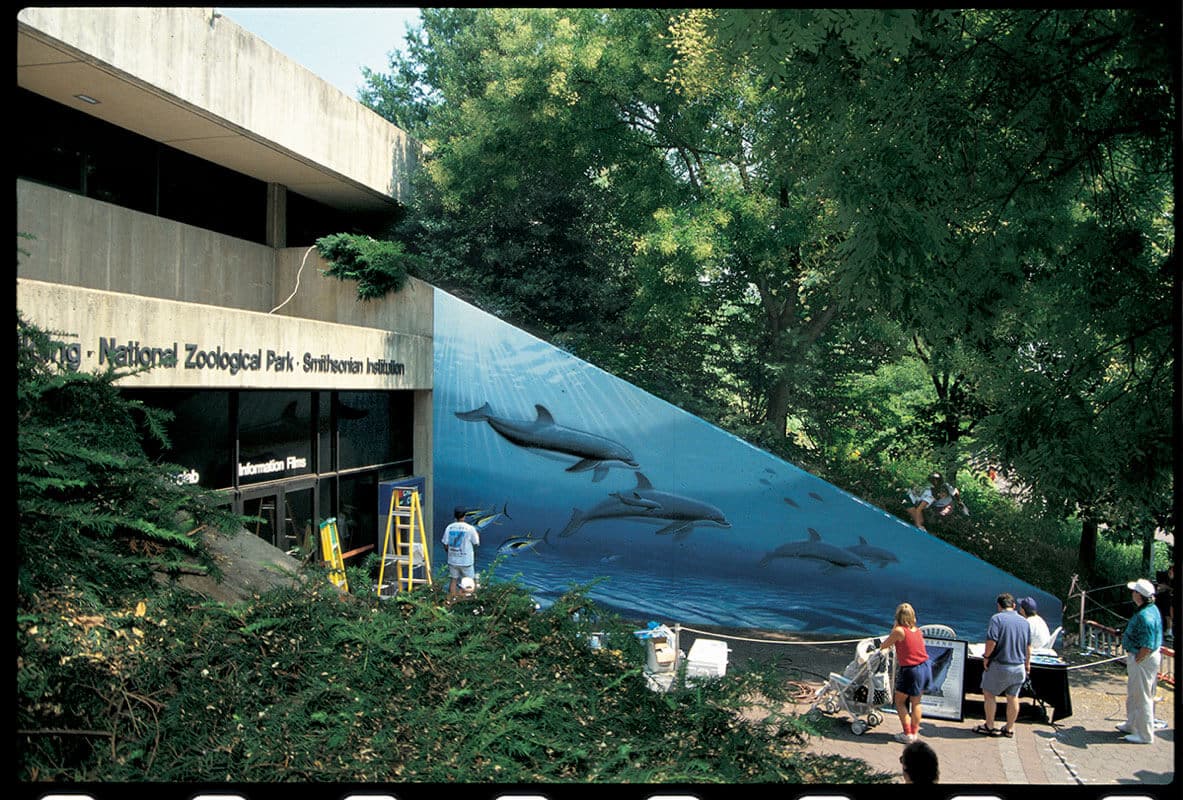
(379, 267)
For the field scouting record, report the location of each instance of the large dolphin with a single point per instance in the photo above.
(876, 555)
(645, 503)
(814, 549)
(590, 451)
(940, 669)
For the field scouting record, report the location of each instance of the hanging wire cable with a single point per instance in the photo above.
(298, 272)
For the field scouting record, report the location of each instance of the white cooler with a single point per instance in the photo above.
(707, 659)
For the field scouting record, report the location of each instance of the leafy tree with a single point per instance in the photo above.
(93, 511)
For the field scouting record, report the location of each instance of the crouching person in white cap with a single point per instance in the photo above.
(1141, 641)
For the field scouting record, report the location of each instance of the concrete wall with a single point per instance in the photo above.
(213, 66)
(89, 243)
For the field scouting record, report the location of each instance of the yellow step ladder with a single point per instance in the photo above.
(408, 551)
(330, 550)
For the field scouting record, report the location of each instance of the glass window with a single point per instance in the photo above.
(375, 427)
(274, 435)
(357, 520)
(324, 431)
(199, 433)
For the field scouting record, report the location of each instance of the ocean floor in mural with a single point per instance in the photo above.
(576, 477)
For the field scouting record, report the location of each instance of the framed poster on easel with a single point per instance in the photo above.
(945, 697)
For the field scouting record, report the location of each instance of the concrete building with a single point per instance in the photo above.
(173, 174)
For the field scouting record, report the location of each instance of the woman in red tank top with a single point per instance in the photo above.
(913, 670)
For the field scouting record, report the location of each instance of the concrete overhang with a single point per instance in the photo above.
(197, 82)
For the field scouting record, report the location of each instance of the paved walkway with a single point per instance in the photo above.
(1082, 750)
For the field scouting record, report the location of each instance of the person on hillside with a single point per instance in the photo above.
(1141, 641)
(919, 764)
(460, 538)
(913, 673)
(1006, 663)
(1041, 637)
(937, 498)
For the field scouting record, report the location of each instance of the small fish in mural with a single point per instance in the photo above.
(817, 497)
(611, 558)
(516, 545)
(765, 481)
(544, 435)
(481, 519)
(829, 556)
(876, 555)
(791, 502)
(770, 471)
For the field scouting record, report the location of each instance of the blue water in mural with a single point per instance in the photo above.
(577, 476)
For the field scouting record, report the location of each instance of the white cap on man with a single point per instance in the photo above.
(467, 584)
(1142, 587)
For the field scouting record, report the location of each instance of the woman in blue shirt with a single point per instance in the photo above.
(1141, 641)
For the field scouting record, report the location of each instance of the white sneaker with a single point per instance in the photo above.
(1137, 739)
(904, 738)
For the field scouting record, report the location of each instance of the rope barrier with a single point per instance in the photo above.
(1095, 663)
(853, 641)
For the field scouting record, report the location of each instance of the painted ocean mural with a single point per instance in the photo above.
(574, 475)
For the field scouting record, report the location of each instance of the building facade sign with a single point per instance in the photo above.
(191, 345)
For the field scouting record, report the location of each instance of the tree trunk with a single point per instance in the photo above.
(1148, 556)
(1087, 555)
(777, 418)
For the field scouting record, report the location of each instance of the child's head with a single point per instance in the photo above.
(919, 762)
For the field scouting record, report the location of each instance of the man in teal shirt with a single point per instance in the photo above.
(1141, 641)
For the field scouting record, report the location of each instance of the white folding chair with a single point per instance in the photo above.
(938, 632)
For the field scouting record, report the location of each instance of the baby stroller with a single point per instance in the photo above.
(860, 690)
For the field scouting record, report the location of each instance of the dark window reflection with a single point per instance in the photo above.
(375, 427)
(275, 435)
(199, 433)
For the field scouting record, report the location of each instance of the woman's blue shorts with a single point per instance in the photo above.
(914, 681)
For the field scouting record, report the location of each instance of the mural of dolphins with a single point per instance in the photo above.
(814, 549)
(683, 514)
(590, 451)
(876, 555)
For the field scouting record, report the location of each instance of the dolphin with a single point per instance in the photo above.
(791, 502)
(543, 434)
(644, 503)
(876, 555)
(634, 499)
(817, 497)
(520, 544)
(940, 668)
(815, 549)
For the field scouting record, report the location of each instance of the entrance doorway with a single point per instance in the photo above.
(286, 515)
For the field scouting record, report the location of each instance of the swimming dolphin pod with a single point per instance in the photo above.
(644, 503)
(876, 555)
(542, 433)
(814, 549)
